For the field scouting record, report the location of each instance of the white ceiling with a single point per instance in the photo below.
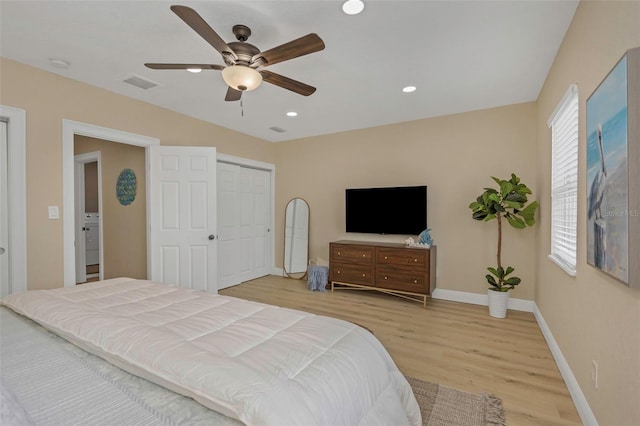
(461, 55)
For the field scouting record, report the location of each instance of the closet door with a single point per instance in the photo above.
(261, 192)
(228, 226)
(244, 199)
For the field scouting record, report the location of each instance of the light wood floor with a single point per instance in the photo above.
(454, 344)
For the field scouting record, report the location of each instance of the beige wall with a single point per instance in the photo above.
(124, 234)
(48, 99)
(453, 155)
(591, 316)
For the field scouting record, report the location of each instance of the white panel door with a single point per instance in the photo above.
(228, 226)
(261, 221)
(183, 213)
(244, 202)
(5, 288)
(245, 229)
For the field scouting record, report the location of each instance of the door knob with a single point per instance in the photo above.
(1, 250)
(212, 237)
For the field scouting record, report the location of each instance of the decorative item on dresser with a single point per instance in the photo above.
(390, 268)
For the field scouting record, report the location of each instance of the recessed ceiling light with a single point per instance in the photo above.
(352, 7)
(194, 70)
(409, 89)
(59, 63)
(292, 114)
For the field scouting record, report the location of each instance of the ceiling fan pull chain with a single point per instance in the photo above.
(241, 109)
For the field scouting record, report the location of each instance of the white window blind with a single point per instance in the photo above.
(564, 181)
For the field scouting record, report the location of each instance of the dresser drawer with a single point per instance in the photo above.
(390, 256)
(352, 274)
(403, 280)
(361, 255)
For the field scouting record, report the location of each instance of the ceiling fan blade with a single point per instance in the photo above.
(299, 47)
(287, 83)
(183, 66)
(199, 25)
(233, 94)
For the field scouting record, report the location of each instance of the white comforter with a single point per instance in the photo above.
(254, 362)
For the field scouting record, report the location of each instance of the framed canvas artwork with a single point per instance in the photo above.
(613, 175)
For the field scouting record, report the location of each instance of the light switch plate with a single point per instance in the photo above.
(54, 212)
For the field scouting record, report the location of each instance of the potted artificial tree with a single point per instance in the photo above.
(508, 201)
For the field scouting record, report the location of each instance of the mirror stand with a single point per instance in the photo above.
(296, 238)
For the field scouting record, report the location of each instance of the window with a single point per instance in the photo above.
(564, 181)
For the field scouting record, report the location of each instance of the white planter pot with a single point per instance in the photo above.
(498, 301)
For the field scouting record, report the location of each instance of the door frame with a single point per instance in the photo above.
(80, 160)
(70, 129)
(271, 168)
(17, 195)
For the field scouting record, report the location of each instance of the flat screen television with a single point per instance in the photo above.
(398, 210)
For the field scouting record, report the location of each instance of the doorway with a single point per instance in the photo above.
(111, 231)
(13, 206)
(71, 129)
(88, 203)
(92, 229)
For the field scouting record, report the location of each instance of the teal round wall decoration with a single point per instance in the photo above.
(126, 187)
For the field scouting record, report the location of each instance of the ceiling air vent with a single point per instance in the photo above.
(277, 129)
(136, 80)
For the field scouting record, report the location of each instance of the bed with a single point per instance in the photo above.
(246, 361)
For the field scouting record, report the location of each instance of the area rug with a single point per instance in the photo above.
(442, 406)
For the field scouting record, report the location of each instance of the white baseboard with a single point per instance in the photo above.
(481, 299)
(277, 271)
(584, 410)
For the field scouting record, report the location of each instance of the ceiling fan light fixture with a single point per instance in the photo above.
(194, 70)
(241, 77)
(352, 7)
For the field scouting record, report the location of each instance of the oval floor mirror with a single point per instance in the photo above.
(296, 238)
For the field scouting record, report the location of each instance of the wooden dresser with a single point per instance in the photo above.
(391, 268)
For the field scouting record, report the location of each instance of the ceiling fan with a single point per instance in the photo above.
(243, 59)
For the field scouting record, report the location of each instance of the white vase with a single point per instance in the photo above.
(498, 301)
